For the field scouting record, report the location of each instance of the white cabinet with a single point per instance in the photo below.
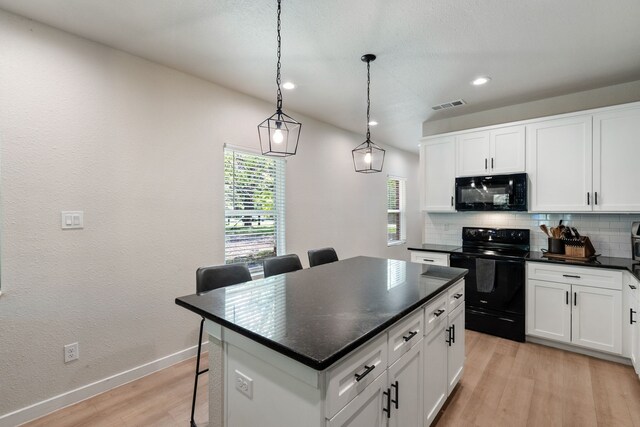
(405, 386)
(507, 150)
(562, 310)
(549, 310)
(596, 319)
(435, 370)
(444, 346)
(437, 174)
(616, 150)
(631, 328)
(364, 409)
(455, 356)
(559, 165)
(435, 258)
(473, 153)
(492, 152)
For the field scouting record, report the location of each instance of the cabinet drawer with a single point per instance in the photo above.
(349, 378)
(456, 295)
(435, 258)
(405, 335)
(586, 276)
(436, 312)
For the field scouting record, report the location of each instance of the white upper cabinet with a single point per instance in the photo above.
(473, 154)
(559, 159)
(493, 152)
(507, 150)
(438, 172)
(616, 153)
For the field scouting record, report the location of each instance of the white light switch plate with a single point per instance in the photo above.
(71, 220)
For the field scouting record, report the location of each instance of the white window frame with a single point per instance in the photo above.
(279, 204)
(402, 211)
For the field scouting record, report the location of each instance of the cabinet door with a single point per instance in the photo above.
(632, 321)
(437, 172)
(507, 150)
(549, 310)
(597, 318)
(559, 154)
(405, 383)
(455, 356)
(435, 371)
(636, 343)
(629, 318)
(365, 410)
(473, 154)
(616, 150)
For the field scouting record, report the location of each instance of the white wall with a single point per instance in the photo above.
(138, 148)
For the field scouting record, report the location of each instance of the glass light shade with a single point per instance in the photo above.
(279, 135)
(368, 157)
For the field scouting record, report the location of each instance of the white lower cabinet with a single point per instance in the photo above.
(405, 388)
(434, 258)
(631, 328)
(435, 371)
(565, 311)
(455, 355)
(364, 409)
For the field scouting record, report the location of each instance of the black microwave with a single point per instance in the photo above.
(492, 193)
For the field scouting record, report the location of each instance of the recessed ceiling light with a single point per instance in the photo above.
(288, 85)
(480, 81)
(373, 123)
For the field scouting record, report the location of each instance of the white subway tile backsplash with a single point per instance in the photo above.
(610, 233)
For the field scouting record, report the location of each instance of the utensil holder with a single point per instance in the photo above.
(556, 246)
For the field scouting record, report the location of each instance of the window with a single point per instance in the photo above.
(254, 208)
(396, 224)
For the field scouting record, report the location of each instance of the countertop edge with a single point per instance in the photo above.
(321, 365)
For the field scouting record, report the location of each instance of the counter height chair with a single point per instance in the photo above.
(281, 264)
(208, 279)
(322, 256)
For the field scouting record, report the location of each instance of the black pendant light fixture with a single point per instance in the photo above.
(368, 157)
(279, 134)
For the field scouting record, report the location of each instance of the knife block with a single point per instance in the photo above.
(579, 248)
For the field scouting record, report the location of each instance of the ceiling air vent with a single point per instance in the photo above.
(450, 104)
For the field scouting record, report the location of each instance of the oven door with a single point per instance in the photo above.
(492, 193)
(493, 283)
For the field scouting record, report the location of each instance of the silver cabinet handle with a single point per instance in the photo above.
(428, 260)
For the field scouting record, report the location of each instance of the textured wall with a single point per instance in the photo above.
(610, 234)
(138, 148)
(601, 97)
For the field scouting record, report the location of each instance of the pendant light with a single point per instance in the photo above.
(279, 134)
(368, 157)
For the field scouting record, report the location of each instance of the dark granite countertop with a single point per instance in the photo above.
(430, 247)
(601, 262)
(318, 315)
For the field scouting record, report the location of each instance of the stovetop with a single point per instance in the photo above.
(497, 252)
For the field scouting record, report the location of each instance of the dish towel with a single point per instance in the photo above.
(485, 275)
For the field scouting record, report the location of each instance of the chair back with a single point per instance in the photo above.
(322, 256)
(281, 264)
(219, 276)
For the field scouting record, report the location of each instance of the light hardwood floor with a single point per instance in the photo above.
(505, 383)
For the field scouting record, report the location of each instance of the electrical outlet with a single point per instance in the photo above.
(71, 352)
(244, 384)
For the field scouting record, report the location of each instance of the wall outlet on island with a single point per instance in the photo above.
(71, 352)
(244, 384)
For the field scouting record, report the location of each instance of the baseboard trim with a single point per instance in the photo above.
(580, 350)
(72, 397)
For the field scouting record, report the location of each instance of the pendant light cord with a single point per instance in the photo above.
(368, 98)
(279, 103)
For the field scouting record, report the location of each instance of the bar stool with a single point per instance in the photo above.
(281, 264)
(208, 279)
(322, 256)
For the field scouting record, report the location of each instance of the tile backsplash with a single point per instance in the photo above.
(610, 233)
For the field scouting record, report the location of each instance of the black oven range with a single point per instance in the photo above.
(495, 285)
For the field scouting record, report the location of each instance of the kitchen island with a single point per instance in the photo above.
(362, 341)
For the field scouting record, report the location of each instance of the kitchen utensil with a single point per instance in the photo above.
(545, 230)
(556, 246)
(575, 232)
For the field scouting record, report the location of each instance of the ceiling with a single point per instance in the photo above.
(428, 50)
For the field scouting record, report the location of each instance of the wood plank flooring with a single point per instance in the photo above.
(504, 384)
